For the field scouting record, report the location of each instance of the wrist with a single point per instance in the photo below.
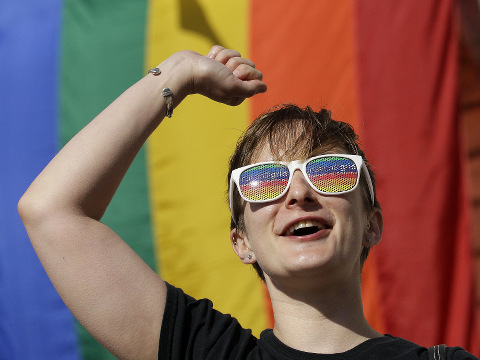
(167, 90)
(177, 74)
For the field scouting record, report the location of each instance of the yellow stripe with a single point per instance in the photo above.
(187, 160)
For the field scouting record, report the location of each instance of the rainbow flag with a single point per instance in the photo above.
(390, 69)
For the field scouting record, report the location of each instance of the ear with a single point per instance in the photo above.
(241, 246)
(374, 229)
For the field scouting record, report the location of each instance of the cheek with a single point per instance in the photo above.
(354, 203)
(250, 219)
(258, 218)
(261, 211)
(349, 210)
(253, 222)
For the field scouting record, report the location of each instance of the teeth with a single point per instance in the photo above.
(304, 224)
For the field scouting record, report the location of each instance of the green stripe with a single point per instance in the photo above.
(102, 55)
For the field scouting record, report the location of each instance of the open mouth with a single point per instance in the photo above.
(303, 228)
(306, 231)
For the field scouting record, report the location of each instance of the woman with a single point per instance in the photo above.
(298, 217)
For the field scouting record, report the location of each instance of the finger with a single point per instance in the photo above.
(236, 61)
(235, 101)
(214, 51)
(238, 91)
(246, 72)
(226, 54)
(248, 88)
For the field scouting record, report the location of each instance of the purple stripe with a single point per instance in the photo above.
(34, 322)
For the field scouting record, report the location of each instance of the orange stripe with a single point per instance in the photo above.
(372, 305)
(308, 57)
(306, 53)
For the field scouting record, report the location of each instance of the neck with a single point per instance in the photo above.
(325, 319)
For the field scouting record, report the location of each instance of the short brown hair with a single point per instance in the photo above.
(305, 131)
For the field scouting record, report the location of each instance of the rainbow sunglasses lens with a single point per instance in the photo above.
(264, 182)
(329, 175)
(332, 174)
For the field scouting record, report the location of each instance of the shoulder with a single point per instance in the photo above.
(193, 329)
(182, 310)
(416, 351)
(458, 353)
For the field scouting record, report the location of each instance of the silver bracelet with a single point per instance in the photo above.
(154, 71)
(166, 92)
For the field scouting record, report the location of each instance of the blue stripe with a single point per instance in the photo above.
(34, 322)
(331, 165)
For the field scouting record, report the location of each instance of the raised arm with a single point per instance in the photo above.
(108, 288)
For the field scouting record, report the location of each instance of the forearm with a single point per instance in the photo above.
(85, 174)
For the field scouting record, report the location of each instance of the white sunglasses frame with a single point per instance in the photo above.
(302, 166)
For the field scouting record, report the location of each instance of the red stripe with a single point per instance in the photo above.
(334, 176)
(408, 91)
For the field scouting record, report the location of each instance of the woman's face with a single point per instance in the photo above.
(329, 246)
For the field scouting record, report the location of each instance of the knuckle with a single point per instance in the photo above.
(226, 54)
(244, 69)
(233, 62)
(217, 47)
(222, 57)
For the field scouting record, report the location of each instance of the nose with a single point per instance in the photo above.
(300, 192)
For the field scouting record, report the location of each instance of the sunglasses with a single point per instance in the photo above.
(331, 174)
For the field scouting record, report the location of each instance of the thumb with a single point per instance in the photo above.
(248, 88)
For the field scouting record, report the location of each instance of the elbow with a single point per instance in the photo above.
(26, 208)
(32, 209)
(39, 218)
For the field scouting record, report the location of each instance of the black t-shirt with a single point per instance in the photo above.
(193, 330)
